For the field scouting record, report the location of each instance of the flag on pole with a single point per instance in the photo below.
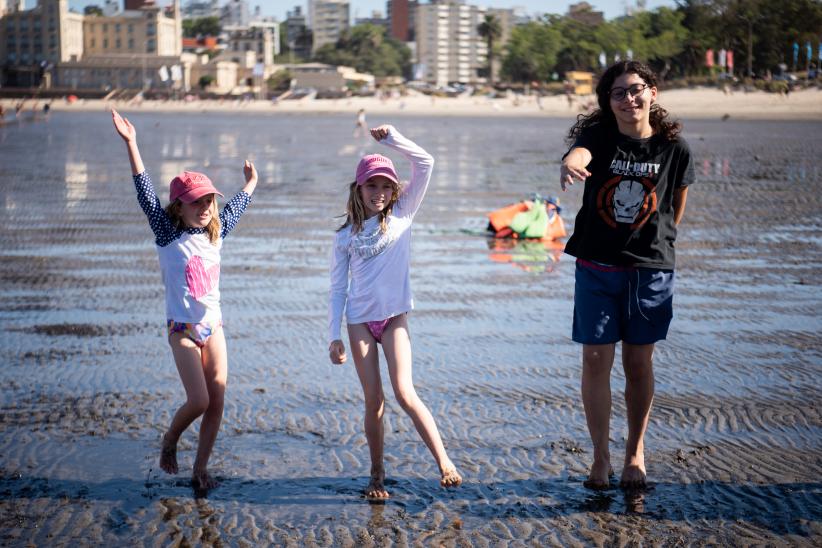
(730, 60)
(709, 58)
(795, 53)
(176, 73)
(722, 57)
(809, 49)
(604, 60)
(629, 54)
(163, 73)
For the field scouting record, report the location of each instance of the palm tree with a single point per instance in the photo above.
(490, 29)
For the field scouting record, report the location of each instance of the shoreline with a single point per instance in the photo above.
(700, 103)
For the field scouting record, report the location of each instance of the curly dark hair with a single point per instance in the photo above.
(605, 116)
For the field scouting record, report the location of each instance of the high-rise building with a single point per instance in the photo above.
(401, 19)
(327, 19)
(297, 34)
(198, 9)
(449, 48)
(48, 33)
(235, 13)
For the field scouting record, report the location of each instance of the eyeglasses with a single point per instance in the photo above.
(618, 94)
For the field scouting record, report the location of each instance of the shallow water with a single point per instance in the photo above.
(733, 449)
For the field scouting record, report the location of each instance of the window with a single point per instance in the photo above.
(105, 43)
(118, 44)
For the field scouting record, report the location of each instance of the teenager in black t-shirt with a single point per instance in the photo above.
(636, 170)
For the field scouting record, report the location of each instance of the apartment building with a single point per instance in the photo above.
(143, 31)
(327, 19)
(449, 48)
(32, 40)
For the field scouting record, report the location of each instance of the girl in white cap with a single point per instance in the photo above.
(189, 234)
(372, 249)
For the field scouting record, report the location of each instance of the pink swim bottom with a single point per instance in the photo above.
(198, 333)
(378, 328)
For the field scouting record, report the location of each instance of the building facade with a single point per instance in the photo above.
(261, 38)
(401, 19)
(327, 19)
(144, 31)
(198, 10)
(31, 41)
(449, 48)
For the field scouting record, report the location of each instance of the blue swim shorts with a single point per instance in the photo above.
(611, 303)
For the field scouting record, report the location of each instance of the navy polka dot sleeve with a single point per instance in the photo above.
(158, 219)
(232, 212)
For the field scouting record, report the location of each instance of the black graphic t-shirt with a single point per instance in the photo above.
(627, 213)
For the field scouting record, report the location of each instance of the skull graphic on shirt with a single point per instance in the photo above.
(629, 197)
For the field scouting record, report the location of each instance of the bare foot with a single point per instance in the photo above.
(168, 456)
(449, 477)
(376, 487)
(202, 481)
(633, 474)
(598, 477)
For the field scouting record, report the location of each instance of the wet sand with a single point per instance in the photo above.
(734, 450)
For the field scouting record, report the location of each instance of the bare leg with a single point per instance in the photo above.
(597, 360)
(188, 359)
(215, 373)
(637, 361)
(366, 360)
(397, 346)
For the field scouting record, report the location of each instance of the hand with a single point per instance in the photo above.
(569, 171)
(250, 172)
(123, 127)
(336, 351)
(381, 132)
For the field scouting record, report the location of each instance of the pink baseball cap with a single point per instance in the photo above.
(189, 186)
(374, 165)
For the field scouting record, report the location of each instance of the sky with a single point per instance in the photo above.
(363, 8)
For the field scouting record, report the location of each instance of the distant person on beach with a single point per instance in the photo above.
(636, 170)
(373, 247)
(360, 128)
(189, 235)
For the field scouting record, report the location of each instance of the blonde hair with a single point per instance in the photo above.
(212, 228)
(355, 212)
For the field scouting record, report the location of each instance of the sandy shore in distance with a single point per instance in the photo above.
(705, 103)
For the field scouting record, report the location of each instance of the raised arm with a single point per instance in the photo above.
(235, 207)
(422, 164)
(129, 135)
(161, 225)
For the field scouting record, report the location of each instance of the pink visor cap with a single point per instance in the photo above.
(189, 186)
(374, 165)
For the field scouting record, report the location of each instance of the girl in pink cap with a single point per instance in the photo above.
(189, 234)
(370, 282)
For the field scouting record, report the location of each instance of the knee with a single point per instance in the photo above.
(199, 403)
(595, 365)
(374, 403)
(638, 370)
(407, 399)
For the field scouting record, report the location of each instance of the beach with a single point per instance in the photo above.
(734, 445)
(693, 103)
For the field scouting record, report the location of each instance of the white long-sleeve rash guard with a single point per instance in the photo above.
(379, 286)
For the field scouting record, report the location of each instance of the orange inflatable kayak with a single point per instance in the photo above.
(500, 220)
